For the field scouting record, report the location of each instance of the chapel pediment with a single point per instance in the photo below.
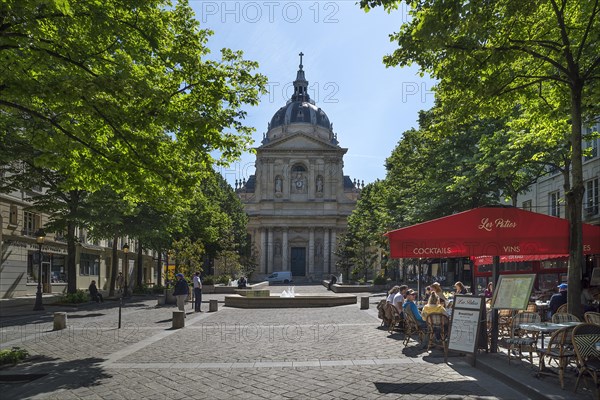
(299, 141)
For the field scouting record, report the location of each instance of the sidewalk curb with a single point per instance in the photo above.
(528, 391)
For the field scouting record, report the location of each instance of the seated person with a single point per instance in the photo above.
(409, 303)
(489, 291)
(460, 288)
(391, 293)
(398, 299)
(558, 299)
(332, 281)
(242, 283)
(433, 306)
(586, 296)
(427, 294)
(95, 294)
(437, 288)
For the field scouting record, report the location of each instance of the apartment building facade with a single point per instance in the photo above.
(19, 256)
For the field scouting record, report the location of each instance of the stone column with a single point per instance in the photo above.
(326, 251)
(311, 251)
(284, 251)
(270, 250)
(333, 246)
(263, 249)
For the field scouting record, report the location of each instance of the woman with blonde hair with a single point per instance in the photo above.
(437, 289)
(432, 306)
(391, 293)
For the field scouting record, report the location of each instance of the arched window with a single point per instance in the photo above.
(298, 168)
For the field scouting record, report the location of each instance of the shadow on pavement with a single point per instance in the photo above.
(454, 388)
(90, 315)
(68, 375)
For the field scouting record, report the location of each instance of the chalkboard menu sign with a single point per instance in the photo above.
(513, 291)
(465, 330)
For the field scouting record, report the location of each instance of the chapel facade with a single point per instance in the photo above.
(298, 201)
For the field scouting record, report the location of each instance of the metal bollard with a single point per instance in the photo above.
(213, 305)
(178, 319)
(60, 321)
(364, 303)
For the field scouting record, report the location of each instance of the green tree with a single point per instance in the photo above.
(121, 92)
(366, 226)
(344, 253)
(491, 56)
(119, 95)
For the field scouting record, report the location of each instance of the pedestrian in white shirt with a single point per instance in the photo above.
(197, 292)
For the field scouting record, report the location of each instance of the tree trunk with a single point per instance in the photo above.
(159, 268)
(140, 266)
(575, 205)
(114, 267)
(71, 257)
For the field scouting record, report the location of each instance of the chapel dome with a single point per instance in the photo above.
(300, 112)
(300, 109)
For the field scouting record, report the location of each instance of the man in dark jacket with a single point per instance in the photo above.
(332, 281)
(558, 299)
(95, 294)
(181, 292)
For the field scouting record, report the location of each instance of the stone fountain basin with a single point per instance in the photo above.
(299, 301)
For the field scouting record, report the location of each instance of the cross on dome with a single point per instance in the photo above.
(300, 84)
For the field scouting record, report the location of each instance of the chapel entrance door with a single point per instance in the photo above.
(298, 261)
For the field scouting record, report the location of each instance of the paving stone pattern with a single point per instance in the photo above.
(315, 353)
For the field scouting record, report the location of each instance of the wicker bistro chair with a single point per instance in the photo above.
(520, 339)
(561, 309)
(559, 318)
(585, 337)
(504, 322)
(396, 319)
(592, 317)
(382, 313)
(411, 327)
(560, 350)
(438, 325)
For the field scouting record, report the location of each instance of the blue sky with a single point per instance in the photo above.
(369, 105)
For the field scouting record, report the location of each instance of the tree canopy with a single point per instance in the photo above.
(490, 57)
(122, 94)
(118, 100)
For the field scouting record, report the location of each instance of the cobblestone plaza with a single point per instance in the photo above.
(317, 353)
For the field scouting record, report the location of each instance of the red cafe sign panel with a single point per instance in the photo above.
(488, 232)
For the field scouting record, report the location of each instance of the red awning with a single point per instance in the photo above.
(489, 231)
(482, 260)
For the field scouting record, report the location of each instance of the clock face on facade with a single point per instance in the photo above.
(299, 183)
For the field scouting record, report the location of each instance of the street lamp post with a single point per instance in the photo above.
(126, 289)
(124, 292)
(40, 236)
(419, 272)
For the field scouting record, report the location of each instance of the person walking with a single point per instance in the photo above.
(197, 292)
(120, 280)
(181, 292)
